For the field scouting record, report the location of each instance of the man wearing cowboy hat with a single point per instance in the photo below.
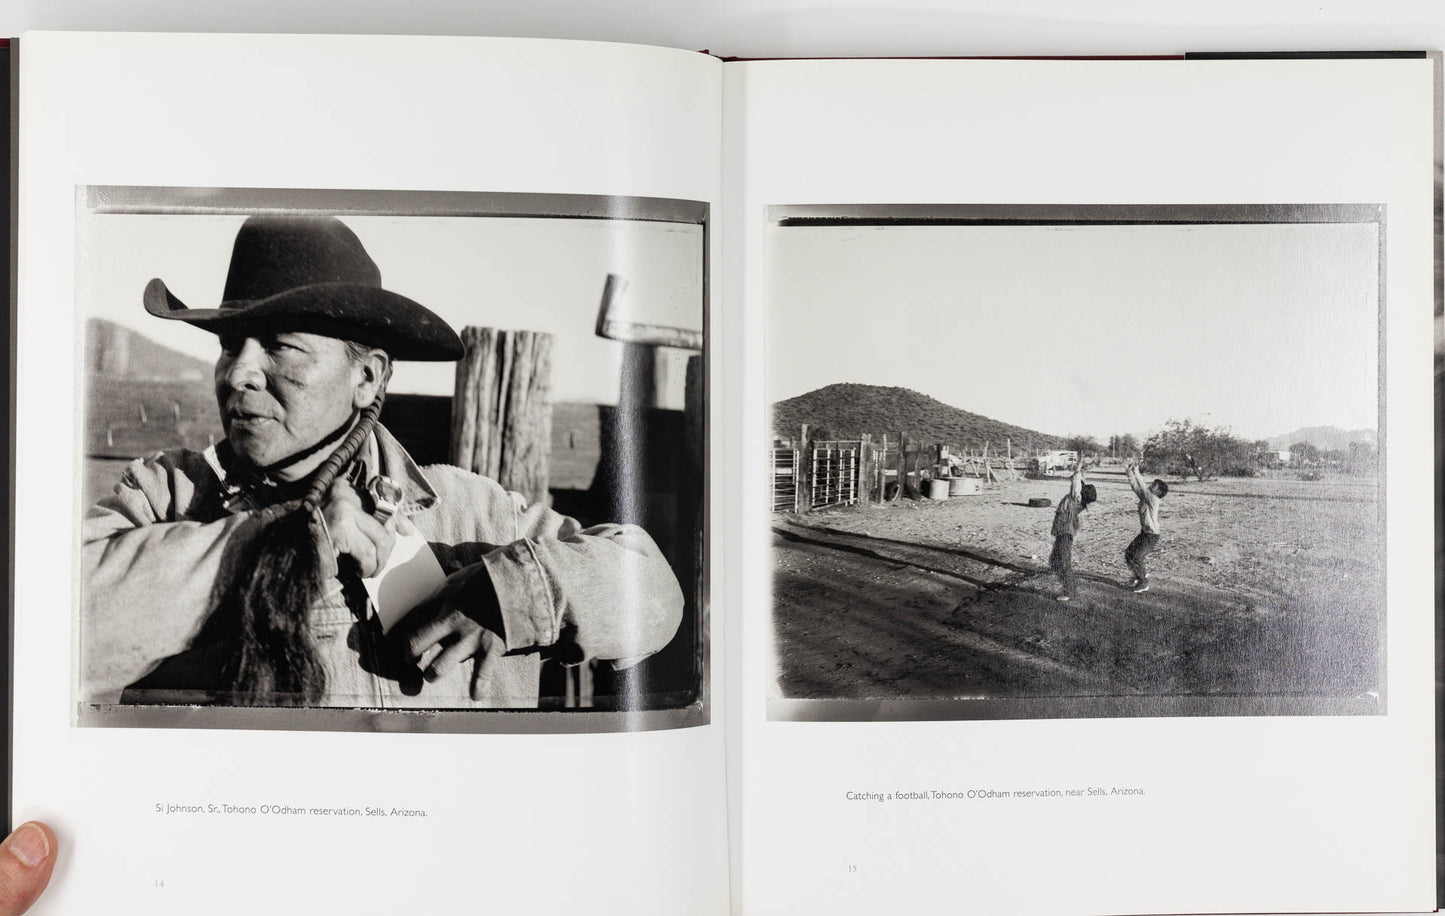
(247, 574)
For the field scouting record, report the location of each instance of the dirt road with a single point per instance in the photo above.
(1263, 588)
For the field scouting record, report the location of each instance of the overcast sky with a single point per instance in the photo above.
(1087, 329)
(525, 274)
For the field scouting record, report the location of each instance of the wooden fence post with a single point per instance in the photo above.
(902, 467)
(883, 472)
(865, 469)
(911, 451)
(804, 486)
(502, 409)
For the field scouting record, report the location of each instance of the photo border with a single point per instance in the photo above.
(128, 199)
(910, 709)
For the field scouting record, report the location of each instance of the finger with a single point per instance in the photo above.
(27, 858)
(428, 635)
(360, 548)
(381, 536)
(454, 655)
(404, 527)
(341, 491)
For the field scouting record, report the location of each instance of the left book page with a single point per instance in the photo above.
(361, 486)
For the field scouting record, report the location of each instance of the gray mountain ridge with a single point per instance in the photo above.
(1324, 438)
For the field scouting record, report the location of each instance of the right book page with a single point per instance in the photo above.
(1088, 485)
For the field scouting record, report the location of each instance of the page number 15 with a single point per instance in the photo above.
(852, 869)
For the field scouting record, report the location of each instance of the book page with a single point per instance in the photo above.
(1088, 485)
(474, 274)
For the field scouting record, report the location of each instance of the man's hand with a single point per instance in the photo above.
(26, 859)
(464, 618)
(355, 532)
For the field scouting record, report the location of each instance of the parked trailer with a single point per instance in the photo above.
(1057, 460)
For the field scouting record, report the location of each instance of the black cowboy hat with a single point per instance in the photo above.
(312, 274)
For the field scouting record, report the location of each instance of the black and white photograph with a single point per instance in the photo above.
(385, 460)
(1084, 461)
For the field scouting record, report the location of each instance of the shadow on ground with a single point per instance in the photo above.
(867, 618)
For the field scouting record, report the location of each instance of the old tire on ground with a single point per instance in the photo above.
(1040, 502)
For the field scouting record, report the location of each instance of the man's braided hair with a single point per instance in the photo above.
(273, 662)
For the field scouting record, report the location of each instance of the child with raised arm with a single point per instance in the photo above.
(1066, 526)
(1148, 538)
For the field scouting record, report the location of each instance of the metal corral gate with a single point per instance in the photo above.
(785, 479)
(835, 477)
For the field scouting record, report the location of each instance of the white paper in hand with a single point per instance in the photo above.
(411, 575)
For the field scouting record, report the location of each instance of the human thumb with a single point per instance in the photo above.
(26, 859)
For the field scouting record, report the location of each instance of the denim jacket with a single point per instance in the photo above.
(153, 552)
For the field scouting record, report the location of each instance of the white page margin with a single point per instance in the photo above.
(1245, 813)
(612, 822)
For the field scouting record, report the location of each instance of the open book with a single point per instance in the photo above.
(528, 476)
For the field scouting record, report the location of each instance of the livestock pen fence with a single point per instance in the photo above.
(824, 474)
(810, 474)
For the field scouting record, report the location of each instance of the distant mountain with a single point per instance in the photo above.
(118, 352)
(846, 411)
(1323, 438)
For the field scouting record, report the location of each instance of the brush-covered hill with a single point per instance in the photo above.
(846, 411)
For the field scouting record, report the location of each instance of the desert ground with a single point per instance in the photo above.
(1261, 587)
